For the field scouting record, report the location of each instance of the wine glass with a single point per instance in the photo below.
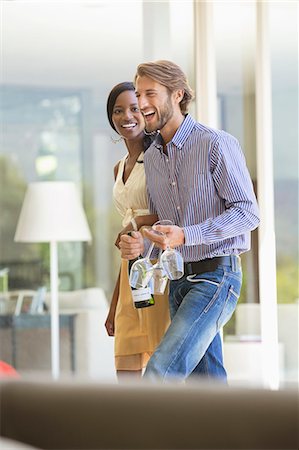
(159, 277)
(171, 260)
(141, 271)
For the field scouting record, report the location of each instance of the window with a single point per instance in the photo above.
(234, 28)
(57, 72)
(284, 58)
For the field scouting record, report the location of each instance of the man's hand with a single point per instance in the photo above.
(164, 235)
(131, 246)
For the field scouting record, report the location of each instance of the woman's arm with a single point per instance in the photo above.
(142, 221)
(115, 170)
(109, 324)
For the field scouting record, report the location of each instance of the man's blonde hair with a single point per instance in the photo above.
(169, 75)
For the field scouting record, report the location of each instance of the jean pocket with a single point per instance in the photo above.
(234, 293)
(194, 279)
(207, 291)
(229, 307)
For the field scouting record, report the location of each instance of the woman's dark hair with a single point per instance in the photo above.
(115, 92)
(148, 140)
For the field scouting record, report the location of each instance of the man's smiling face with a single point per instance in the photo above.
(155, 103)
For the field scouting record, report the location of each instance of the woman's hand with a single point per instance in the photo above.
(131, 246)
(109, 324)
(125, 230)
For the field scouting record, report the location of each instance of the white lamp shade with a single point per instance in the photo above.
(52, 211)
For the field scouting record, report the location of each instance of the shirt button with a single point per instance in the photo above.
(173, 183)
(167, 159)
(178, 207)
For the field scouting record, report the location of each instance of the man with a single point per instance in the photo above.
(197, 178)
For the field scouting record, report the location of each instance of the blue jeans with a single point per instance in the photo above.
(200, 305)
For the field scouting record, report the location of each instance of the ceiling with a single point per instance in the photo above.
(86, 43)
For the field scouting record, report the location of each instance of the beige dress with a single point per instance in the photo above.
(137, 331)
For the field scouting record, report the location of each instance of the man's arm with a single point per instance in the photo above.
(233, 184)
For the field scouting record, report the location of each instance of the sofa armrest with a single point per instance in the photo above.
(91, 416)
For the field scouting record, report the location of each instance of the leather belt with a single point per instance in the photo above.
(211, 264)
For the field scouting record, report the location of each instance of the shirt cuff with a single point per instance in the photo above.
(193, 235)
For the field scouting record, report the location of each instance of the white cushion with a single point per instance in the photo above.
(91, 298)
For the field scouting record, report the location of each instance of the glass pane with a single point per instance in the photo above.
(41, 137)
(284, 59)
(235, 29)
(58, 70)
(235, 47)
(284, 52)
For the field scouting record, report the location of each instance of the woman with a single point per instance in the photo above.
(137, 331)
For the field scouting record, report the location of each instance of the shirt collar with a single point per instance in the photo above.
(181, 135)
(184, 131)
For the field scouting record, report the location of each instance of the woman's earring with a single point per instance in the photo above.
(115, 141)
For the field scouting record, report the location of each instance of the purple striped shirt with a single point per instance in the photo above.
(203, 185)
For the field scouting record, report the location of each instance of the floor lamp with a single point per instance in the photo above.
(52, 212)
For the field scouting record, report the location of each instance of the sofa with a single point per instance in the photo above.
(88, 416)
(93, 348)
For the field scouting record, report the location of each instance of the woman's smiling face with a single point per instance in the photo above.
(126, 117)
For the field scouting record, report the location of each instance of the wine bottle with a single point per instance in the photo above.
(142, 297)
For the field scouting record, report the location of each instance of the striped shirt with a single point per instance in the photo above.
(203, 185)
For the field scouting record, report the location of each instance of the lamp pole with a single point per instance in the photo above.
(54, 309)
